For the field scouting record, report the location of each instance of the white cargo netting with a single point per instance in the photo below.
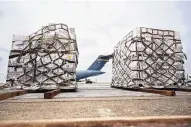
(48, 57)
(148, 58)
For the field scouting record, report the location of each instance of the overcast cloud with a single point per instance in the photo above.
(99, 25)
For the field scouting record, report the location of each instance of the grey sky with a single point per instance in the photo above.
(99, 25)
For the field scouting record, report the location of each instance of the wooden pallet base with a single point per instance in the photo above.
(175, 89)
(47, 90)
(150, 90)
(51, 94)
(7, 95)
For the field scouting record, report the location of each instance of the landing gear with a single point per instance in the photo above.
(88, 81)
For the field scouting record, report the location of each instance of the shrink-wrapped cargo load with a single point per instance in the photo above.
(46, 59)
(148, 58)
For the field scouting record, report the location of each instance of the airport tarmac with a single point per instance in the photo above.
(95, 100)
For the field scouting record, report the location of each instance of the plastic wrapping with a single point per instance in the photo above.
(46, 57)
(148, 58)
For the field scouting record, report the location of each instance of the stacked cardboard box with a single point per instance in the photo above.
(48, 57)
(148, 58)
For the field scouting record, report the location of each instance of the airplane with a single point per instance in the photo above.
(94, 69)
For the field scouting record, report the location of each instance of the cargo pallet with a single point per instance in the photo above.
(48, 56)
(10, 94)
(162, 91)
(48, 93)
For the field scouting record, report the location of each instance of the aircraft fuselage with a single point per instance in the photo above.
(82, 74)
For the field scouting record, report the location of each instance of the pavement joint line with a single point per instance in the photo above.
(85, 99)
(109, 121)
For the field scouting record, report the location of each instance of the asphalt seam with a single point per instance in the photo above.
(89, 99)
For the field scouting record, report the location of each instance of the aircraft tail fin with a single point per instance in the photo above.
(99, 63)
